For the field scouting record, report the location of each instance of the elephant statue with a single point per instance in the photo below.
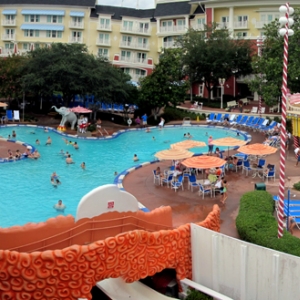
(67, 116)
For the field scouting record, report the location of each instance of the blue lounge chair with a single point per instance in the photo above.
(211, 118)
(167, 180)
(248, 122)
(238, 119)
(268, 127)
(223, 118)
(177, 184)
(9, 115)
(251, 124)
(217, 119)
(204, 190)
(258, 124)
(243, 121)
(193, 182)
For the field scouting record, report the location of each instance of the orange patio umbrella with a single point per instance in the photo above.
(2, 104)
(187, 144)
(176, 154)
(228, 142)
(204, 162)
(257, 149)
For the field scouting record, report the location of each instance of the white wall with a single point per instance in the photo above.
(242, 270)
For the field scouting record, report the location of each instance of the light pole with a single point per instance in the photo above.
(234, 82)
(259, 44)
(221, 82)
(285, 32)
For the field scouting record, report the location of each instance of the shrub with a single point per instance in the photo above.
(193, 294)
(256, 224)
(91, 127)
(277, 119)
(297, 186)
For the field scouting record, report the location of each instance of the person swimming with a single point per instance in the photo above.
(59, 206)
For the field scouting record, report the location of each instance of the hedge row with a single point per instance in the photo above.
(256, 224)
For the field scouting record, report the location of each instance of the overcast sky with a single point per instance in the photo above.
(129, 3)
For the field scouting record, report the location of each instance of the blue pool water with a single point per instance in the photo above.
(27, 194)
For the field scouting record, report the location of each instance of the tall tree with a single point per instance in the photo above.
(269, 66)
(165, 86)
(211, 54)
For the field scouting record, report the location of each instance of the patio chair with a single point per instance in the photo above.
(238, 119)
(4, 119)
(258, 124)
(9, 115)
(16, 116)
(167, 180)
(262, 110)
(238, 165)
(156, 178)
(255, 120)
(186, 173)
(193, 182)
(243, 121)
(246, 167)
(204, 190)
(177, 184)
(261, 163)
(269, 173)
(254, 110)
(248, 122)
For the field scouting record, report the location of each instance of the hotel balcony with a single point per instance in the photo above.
(198, 26)
(8, 37)
(175, 29)
(240, 25)
(134, 60)
(77, 25)
(170, 44)
(222, 25)
(261, 24)
(102, 42)
(104, 27)
(9, 23)
(134, 45)
(135, 30)
(75, 39)
(136, 77)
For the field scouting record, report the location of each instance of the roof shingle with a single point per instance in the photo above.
(172, 9)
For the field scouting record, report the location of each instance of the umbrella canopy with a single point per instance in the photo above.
(2, 104)
(176, 153)
(257, 149)
(187, 144)
(204, 162)
(80, 110)
(228, 142)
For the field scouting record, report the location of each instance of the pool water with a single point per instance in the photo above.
(27, 194)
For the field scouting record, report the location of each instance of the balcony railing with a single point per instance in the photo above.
(169, 44)
(240, 25)
(198, 26)
(222, 25)
(8, 22)
(75, 39)
(104, 27)
(134, 60)
(261, 24)
(103, 42)
(136, 77)
(134, 45)
(135, 29)
(174, 29)
(8, 37)
(74, 24)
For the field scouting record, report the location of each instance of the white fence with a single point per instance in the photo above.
(241, 270)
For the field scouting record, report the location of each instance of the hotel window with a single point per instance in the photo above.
(26, 46)
(168, 41)
(54, 19)
(142, 42)
(143, 27)
(128, 25)
(104, 38)
(201, 21)
(9, 33)
(242, 34)
(126, 70)
(181, 24)
(268, 18)
(126, 40)
(31, 33)
(37, 46)
(9, 46)
(103, 52)
(77, 20)
(166, 24)
(10, 19)
(125, 55)
(53, 34)
(141, 57)
(140, 72)
(105, 23)
(32, 18)
(242, 18)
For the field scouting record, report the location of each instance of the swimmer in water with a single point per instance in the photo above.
(135, 158)
(59, 206)
(147, 130)
(82, 165)
(49, 141)
(37, 142)
(153, 138)
(116, 173)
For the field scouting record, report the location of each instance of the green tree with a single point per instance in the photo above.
(211, 54)
(269, 66)
(165, 86)
(11, 76)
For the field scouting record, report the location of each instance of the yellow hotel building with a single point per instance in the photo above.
(130, 38)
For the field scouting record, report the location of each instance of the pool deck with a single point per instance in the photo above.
(190, 207)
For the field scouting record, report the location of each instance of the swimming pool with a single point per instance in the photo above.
(27, 194)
